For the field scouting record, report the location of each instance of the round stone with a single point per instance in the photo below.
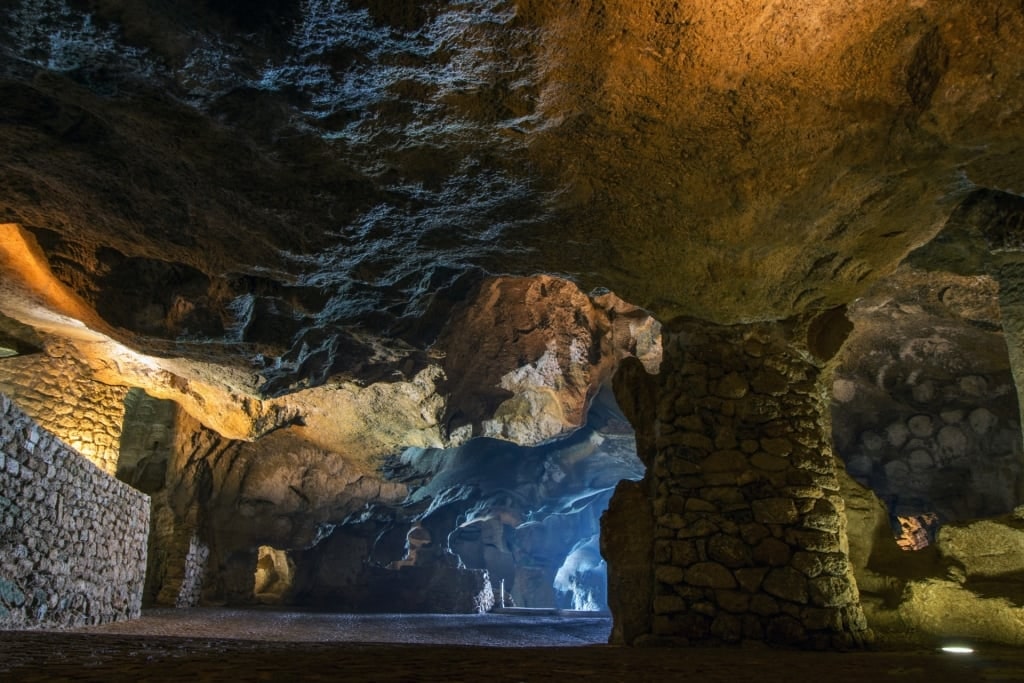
(729, 551)
(788, 584)
(772, 552)
(973, 385)
(952, 442)
(844, 390)
(897, 434)
(924, 392)
(982, 421)
(920, 460)
(710, 575)
(896, 472)
(951, 416)
(872, 441)
(921, 426)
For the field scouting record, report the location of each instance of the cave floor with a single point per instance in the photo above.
(264, 645)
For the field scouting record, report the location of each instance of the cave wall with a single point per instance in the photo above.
(73, 538)
(745, 524)
(925, 408)
(57, 390)
(967, 584)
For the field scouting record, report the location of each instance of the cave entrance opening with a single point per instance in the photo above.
(147, 439)
(486, 524)
(274, 575)
(532, 518)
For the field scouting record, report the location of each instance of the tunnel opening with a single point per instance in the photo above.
(488, 525)
(272, 580)
(925, 417)
(147, 439)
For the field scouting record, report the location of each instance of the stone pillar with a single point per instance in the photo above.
(747, 527)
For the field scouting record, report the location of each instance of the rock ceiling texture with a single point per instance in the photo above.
(347, 236)
(265, 196)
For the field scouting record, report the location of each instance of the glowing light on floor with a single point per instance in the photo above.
(957, 649)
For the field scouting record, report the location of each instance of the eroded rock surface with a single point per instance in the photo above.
(363, 162)
(330, 230)
(969, 583)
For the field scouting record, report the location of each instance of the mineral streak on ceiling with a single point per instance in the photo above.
(278, 187)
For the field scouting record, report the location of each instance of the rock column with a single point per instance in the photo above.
(747, 532)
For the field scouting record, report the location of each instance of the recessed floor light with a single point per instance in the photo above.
(957, 649)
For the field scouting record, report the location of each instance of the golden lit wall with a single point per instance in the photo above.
(54, 388)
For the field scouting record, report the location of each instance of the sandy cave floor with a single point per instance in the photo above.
(265, 645)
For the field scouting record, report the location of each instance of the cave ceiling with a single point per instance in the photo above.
(280, 212)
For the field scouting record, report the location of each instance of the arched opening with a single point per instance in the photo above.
(488, 525)
(273, 576)
(147, 439)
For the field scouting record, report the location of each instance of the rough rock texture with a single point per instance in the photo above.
(238, 496)
(379, 151)
(924, 404)
(987, 548)
(968, 584)
(527, 516)
(286, 218)
(573, 337)
(567, 346)
(367, 160)
(937, 609)
(749, 530)
(72, 538)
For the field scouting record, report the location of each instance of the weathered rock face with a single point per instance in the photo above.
(725, 161)
(567, 346)
(530, 381)
(467, 521)
(329, 230)
(967, 584)
(59, 391)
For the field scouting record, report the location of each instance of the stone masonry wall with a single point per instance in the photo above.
(56, 390)
(952, 448)
(72, 538)
(748, 524)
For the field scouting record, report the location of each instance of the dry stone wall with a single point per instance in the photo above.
(925, 410)
(749, 538)
(72, 538)
(56, 390)
(952, 449)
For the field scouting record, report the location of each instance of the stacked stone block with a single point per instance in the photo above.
(749, 526)
(56, 389)
(941, 455)
(72, 538)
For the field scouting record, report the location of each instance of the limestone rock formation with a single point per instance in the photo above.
(968, 584)
(369, 249)
(567, 346)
